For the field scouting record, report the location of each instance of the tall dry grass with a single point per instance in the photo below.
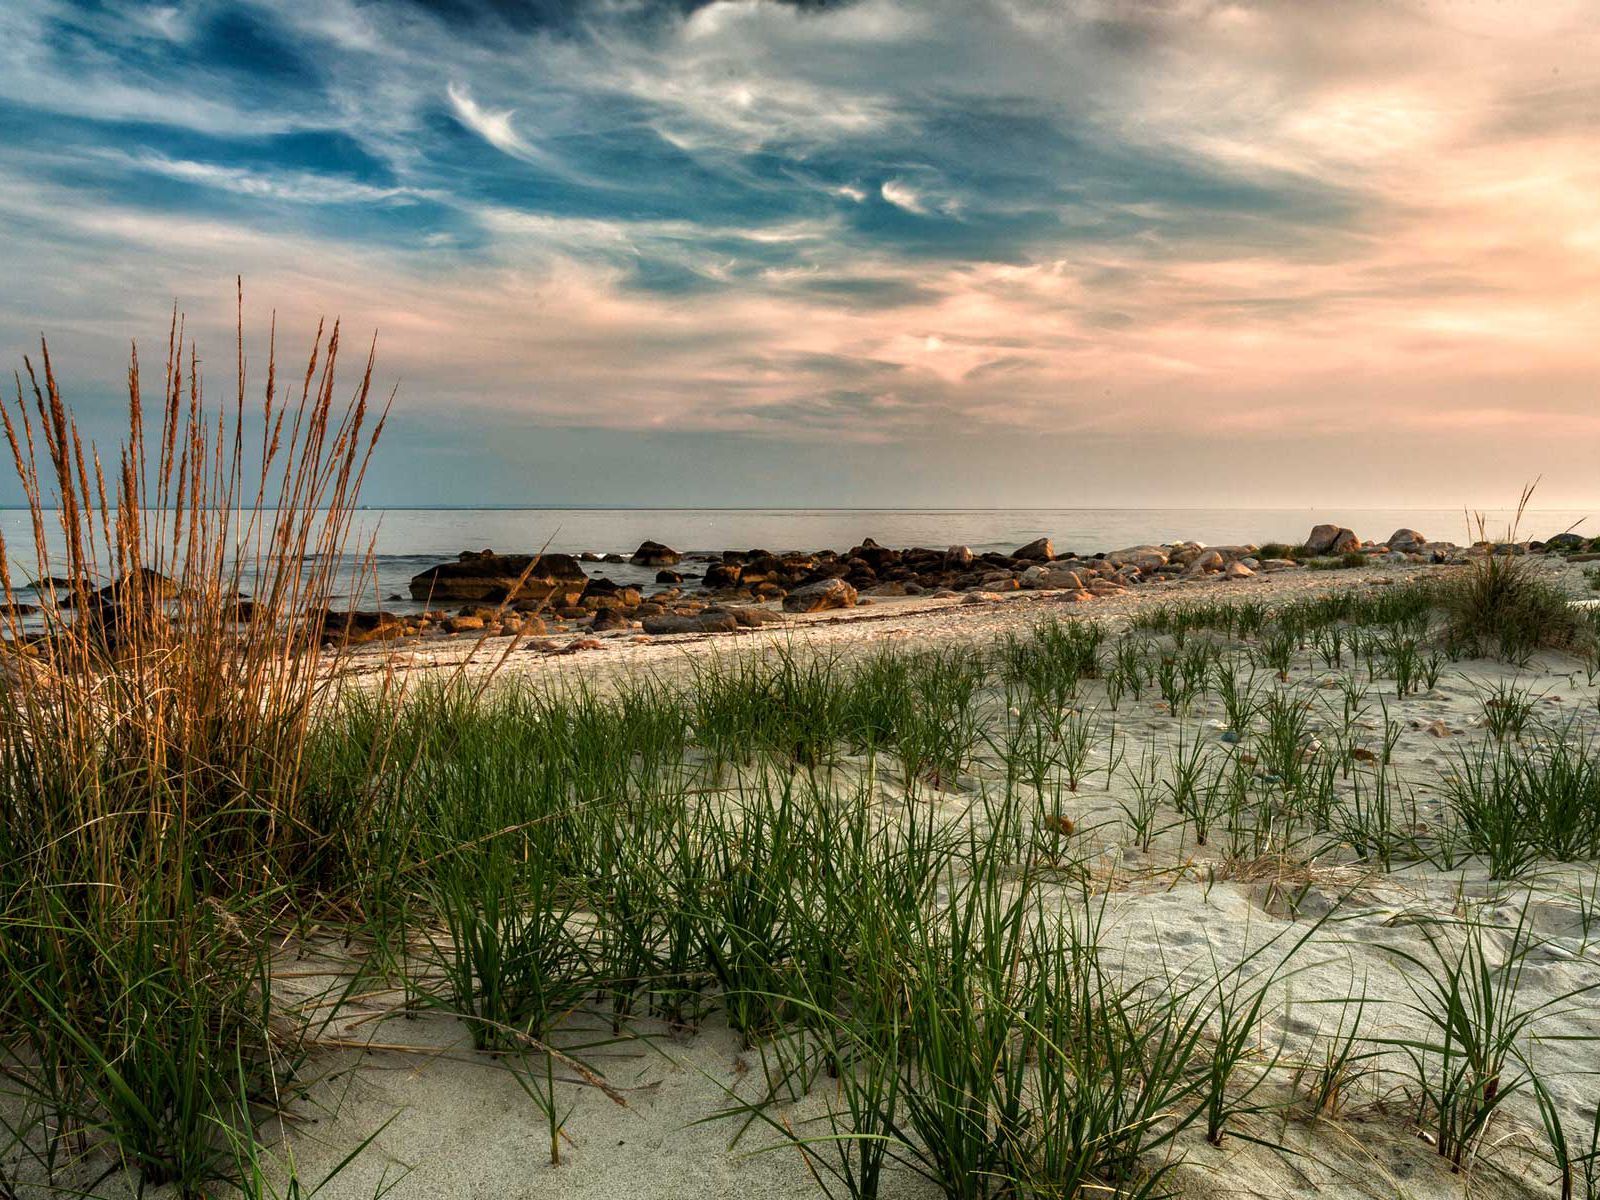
(154, 719)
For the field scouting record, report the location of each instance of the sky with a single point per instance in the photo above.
(853, 253)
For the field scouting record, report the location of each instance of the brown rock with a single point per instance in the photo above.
(525, 580)
(356, 627)
(607, 619)
(820, 596)
(1331, 539)
(654, 554)
(722, 575)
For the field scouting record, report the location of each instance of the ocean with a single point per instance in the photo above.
(406, 541)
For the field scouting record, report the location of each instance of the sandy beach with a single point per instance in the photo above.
(445, 1121)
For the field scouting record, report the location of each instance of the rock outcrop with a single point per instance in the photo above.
(524, 581)
(654, 554)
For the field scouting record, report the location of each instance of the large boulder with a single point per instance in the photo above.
(608, 619)
(711, 621)
(1331, 539)
(140, 585)
(1048, 577)
(722, 575)
(875, 556)
(603, 593)
(1038, 550)
(359, 626)
(820, 596)
(1145, 558)
(958, 558)
(654, 554)
(1407, 541)
(1567, 541)
(522, 580)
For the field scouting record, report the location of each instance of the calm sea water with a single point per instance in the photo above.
(406, 541)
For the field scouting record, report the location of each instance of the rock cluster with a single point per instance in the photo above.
(530, 594)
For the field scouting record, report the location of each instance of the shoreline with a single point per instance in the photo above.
(930, 619)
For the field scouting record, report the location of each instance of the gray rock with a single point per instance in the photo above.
(1049, 577)
(750, 618)
(1038, 550)
(710, 621)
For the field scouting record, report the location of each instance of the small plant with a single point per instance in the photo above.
(1327, 1079)
(1344, 562)
(1141, 814)
(1192, 786)
(1238, 1008)
(1500, 606)
(1474, 1055)
(1517, 807)
(1281, 550)
(1277, 651)
(1507, 709)
(1241, 697)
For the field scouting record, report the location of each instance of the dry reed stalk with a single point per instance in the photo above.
(150, 699)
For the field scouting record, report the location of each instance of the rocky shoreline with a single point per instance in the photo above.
(484, 594)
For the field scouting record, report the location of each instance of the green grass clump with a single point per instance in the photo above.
(1344, 562)
(1499, 607)
(1473, 1052)
(1281, 550)
(1518, 805)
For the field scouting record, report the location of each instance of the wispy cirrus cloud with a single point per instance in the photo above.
(876, 222)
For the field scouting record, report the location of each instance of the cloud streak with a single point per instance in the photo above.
(878, 223)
